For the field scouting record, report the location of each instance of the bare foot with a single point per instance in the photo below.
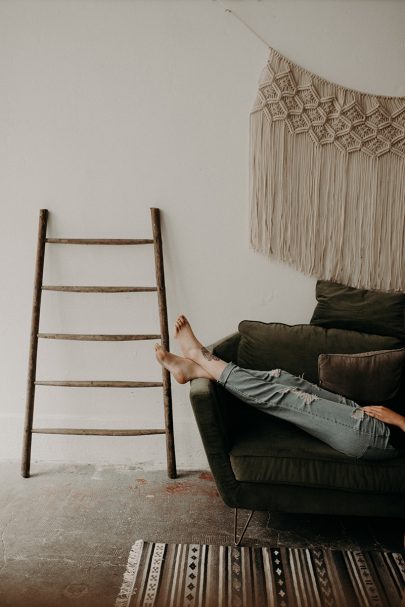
(185, 337)
(182, 369)
(195, 351)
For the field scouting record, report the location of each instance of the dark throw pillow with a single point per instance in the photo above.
(368, 377)
(373, 312)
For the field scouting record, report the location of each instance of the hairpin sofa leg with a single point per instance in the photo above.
(236, 541)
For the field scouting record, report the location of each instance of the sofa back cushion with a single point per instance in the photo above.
(295, 348)
(374, 312)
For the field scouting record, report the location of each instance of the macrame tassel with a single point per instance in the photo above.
(327, 178)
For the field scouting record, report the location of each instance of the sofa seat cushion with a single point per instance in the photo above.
(275, 451)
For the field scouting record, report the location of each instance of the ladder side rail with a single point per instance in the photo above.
(33, 348)
(164, 330)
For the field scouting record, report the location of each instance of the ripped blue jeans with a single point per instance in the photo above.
(332, 418)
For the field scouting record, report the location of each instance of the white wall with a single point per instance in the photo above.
(109, 107)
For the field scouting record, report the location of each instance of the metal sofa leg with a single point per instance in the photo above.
(236, 541)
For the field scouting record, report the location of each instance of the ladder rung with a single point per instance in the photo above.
(114, 241)
(85, 289)
(98, 431)
(83, 337)
(101, 384)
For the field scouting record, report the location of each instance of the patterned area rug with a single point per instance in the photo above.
(192, 575)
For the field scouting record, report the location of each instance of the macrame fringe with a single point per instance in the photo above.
(332, 214)
(127, 587)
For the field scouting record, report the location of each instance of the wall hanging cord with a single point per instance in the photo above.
(231, 12)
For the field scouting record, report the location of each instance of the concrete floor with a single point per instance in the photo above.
(66, 532)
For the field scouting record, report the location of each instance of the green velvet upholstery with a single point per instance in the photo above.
(295, 348)
(262, 463)
(342, 307)
(274, 451)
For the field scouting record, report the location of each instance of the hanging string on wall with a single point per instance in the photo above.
(327, 176)
(231, 12)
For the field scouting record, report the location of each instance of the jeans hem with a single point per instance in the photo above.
(223, 378)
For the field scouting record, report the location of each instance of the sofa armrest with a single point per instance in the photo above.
(208, 400)
(209, 413)
(208, 407)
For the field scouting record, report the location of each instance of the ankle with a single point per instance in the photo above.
(194, 353)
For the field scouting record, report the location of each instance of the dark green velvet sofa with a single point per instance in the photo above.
(263, 463)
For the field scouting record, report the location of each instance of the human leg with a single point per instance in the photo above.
(332, 418)
(342, 425)
(193, 349)
(283, 377)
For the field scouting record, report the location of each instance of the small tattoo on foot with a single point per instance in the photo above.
(208, 355)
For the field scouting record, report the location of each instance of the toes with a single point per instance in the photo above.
(180, 323)
(160, 351)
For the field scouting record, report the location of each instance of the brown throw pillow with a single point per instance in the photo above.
(368, 377)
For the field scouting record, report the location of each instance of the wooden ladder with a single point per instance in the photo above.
(32, 381)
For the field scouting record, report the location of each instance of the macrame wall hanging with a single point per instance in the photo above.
(328, 178)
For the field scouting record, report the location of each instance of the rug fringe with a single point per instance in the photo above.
(127, 586)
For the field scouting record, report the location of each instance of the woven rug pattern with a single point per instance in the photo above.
(193, 575)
